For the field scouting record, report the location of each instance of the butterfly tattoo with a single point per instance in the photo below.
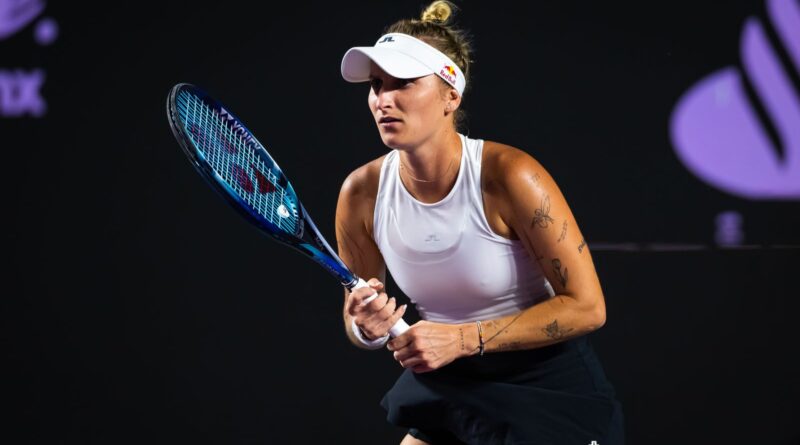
(542, 215)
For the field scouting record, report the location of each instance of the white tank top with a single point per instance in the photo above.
(445, 257)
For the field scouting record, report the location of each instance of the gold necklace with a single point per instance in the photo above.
(403, 167)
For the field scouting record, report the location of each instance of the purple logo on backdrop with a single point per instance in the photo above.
(19, 93)
(717, 134)
(20, 88)
(16, 14)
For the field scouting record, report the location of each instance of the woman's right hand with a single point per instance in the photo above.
(379, 315)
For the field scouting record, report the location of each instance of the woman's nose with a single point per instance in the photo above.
(383, 98)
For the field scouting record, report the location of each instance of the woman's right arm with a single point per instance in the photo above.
(354, 212)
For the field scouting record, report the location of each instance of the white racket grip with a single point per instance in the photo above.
(399, 327)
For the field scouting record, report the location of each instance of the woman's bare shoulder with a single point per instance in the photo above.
(356, 206)
(363, 181)
(501, 160)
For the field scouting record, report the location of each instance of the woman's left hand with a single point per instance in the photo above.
(427, 346)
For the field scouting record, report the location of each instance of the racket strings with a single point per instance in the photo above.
(239, 166)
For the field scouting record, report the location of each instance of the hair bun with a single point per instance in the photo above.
(438, 12)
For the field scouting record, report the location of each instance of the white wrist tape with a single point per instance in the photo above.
(370, 344)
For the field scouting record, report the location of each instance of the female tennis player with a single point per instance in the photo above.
(481, 239)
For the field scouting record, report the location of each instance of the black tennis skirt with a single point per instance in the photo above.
(555, 395)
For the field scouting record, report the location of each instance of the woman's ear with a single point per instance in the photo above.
(453, 100)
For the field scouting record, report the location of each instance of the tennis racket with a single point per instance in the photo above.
(237, 166)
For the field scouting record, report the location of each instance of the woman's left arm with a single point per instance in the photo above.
(538, 213)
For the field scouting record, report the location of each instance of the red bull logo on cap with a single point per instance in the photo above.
(448, 73)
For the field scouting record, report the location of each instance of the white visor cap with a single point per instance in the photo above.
(404, 57)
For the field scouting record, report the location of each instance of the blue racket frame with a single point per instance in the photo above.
(302, 235)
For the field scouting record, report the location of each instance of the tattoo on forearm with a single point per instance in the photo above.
(461, 331)
(581, 246)
(562, 276)
(555, 332)
(542, 215)
(512, 346)
(495, 325)
(563, 231)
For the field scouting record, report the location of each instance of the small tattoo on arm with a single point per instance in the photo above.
(515, 345)
(581, 246)
(563, 231)
(542, 215)
(495, 325)
(562, 276)
(553, 331)
(461, 331)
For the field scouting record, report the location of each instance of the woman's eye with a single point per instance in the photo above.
(377, 83)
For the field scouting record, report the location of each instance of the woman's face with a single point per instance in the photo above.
(415, 108)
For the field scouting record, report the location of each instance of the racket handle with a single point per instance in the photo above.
(399, 327)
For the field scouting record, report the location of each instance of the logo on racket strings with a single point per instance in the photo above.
(237, 127)
(238, 174)
(283, 212)
(245, 181)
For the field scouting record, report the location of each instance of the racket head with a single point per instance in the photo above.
(235, 164)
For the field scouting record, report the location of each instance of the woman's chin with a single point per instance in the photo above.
(390, 139)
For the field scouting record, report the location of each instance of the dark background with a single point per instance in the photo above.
(138, 308)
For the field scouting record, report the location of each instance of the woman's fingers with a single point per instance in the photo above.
(391, 320)
(388, 309)
(376, 284)
(368, 316)
(377, 287)
(357, 298)
(405, 355)
(426, 346)
(417, 364)
(405, 340)
(379, 323)
(379, 314)
(377, 303)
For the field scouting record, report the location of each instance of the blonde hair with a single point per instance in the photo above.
(433, 27)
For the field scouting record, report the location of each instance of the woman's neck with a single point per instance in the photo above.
(429, 171)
